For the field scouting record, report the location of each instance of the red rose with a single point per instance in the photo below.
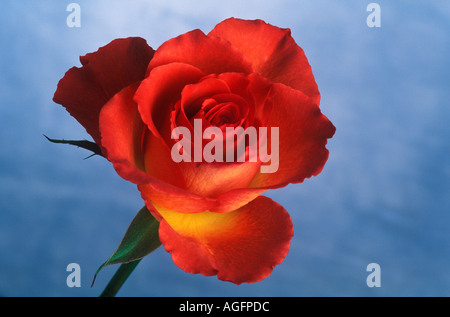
(213, 220)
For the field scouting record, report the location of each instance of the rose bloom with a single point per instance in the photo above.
(243, 73)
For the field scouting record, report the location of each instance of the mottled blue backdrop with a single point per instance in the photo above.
(382, 197)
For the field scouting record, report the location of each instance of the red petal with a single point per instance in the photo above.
(272, 52)
(236, 198)
(125, 138)
(254, 88)
(159, 162)
(240, 246)
(175, 198)
(215, 179)
(84, 91)
(207, 87)
(210, 54)
(216, 187)
(303, 134)
(160, 91)
(121, 129)
(158, 177)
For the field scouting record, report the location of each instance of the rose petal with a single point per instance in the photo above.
(159, 92)
(209, 54)
(158, 177)
(174, 197)
(84, 91)
(159, 162)
(272, 52)
(215, 179)
(254, 89)
(126, 137)
(206, 87)
(121, 134)
(303, 134)
(240, 246)
(121, 129)
(190, 102)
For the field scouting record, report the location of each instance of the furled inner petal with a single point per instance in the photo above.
(221, 102)
(160, 91)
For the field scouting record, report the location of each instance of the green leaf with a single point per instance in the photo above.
(119, 278)
(85, 144)
(141, 239)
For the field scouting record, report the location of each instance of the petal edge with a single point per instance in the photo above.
(241, 246)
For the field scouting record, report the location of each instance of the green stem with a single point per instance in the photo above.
(119, 278)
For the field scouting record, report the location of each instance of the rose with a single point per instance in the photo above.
(213, 220)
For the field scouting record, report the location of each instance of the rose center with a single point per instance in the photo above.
(221, 114)
(221, 111)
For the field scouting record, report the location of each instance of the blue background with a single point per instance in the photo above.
(382, 197)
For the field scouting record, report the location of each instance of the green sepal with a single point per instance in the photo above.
(141, 239)
(85, 144)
